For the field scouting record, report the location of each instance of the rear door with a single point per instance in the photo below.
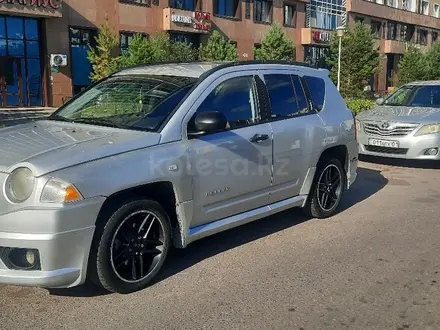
(298, 132)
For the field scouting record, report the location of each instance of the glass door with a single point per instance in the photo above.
(11, 82)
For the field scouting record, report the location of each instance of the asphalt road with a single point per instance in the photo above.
(376, 265)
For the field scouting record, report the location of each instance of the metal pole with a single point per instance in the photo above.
(339, 63)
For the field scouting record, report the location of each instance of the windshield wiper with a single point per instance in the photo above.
(98, 122)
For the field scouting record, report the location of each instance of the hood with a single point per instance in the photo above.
(402, 114)
(47, 146)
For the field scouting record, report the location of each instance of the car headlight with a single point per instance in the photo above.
(20, 185)
(428, 129)
(358, 126)
(59, 191)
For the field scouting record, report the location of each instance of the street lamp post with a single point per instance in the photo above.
(340, 32)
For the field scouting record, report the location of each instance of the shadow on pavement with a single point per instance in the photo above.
(409, 163)
(369, 182)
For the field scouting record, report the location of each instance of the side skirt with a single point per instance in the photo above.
(218, 226)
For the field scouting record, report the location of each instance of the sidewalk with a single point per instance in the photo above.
(10, 117)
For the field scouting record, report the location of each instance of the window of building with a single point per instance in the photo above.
(422, 37)
(424, 7)
(229, 8)
(80, 40)
(358, 19)
(316, 87)
(434, 36)
(406, 32)
(263, 11)
(375, 29)
(183, 4)
(409, 5)
(236, 98)
(138, 2)
(287, 98)
(316, 56)
(325, 14)
(125, 38)
(379, 2)
(391, 31)
(290, 15)
(392, 3)
(190, 38)
(436, 10)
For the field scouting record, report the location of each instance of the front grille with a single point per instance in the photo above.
(385, 150)
(393, 130)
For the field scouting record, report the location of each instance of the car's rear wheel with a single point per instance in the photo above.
(327, 189)
(133, 246)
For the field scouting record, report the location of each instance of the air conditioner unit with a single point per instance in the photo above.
(58, 60)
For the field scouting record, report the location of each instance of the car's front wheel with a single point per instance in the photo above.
(327, 189)
(132, 247)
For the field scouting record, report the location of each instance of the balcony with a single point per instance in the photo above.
(186, 21)
(394, 47)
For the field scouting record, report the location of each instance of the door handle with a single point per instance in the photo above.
(257, 138)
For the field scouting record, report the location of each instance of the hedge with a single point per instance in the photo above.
(359, 105)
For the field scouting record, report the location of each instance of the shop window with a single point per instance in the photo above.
(436, 10)
(80, 41)
(434, 36)
(406, 32)
(422, 37)
(375, 29)
(290, 15)
(263, 11)
(391, 30)
(228, 8)
(125, 38)
(183, 4)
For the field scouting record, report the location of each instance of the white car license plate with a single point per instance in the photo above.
(383, 143)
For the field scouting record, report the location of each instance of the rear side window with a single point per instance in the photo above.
(286, 95)
(316, 88)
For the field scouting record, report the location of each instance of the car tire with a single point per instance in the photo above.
(131, 247)
(317, 205)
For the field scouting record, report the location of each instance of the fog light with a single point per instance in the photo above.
(24, 259)
(431, 151)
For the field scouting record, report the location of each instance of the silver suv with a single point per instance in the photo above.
(163, 155)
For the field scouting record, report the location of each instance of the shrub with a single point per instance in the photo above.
(359, 105)
(218, 48)
(412, 67)
(276, 46)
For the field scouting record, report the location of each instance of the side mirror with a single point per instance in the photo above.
(379, 101)
(210, 121)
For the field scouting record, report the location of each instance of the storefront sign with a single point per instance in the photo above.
(199, 21)
(52, 4)
(321, 36)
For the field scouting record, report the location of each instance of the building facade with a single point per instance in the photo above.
(32, 30)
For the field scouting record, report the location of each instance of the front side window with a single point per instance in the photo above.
(130, 102)
(229, 8)
(286, 95)
(236, 98)
(415, 96)
(263, 11)
(289, 15)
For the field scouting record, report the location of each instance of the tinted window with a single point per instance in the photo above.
(416, 96)
(236, 99)
(286, 95)
(317, 91)
(282, 96)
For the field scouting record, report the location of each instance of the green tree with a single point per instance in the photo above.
(433, 62)
(276, 46)
(156, 49)
(412, 66)
(218, 48)
(359, 59)
(102, 57)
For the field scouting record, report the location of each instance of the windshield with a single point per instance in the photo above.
(416, 96)
(129, 102)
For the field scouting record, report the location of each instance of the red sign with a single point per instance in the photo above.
(321, 36)
(54, 4)
(200, 21)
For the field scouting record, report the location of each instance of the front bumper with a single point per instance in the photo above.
(410, 146)
(62, 237)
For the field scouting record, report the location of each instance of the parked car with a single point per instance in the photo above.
(404, 125)
(163, 155)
